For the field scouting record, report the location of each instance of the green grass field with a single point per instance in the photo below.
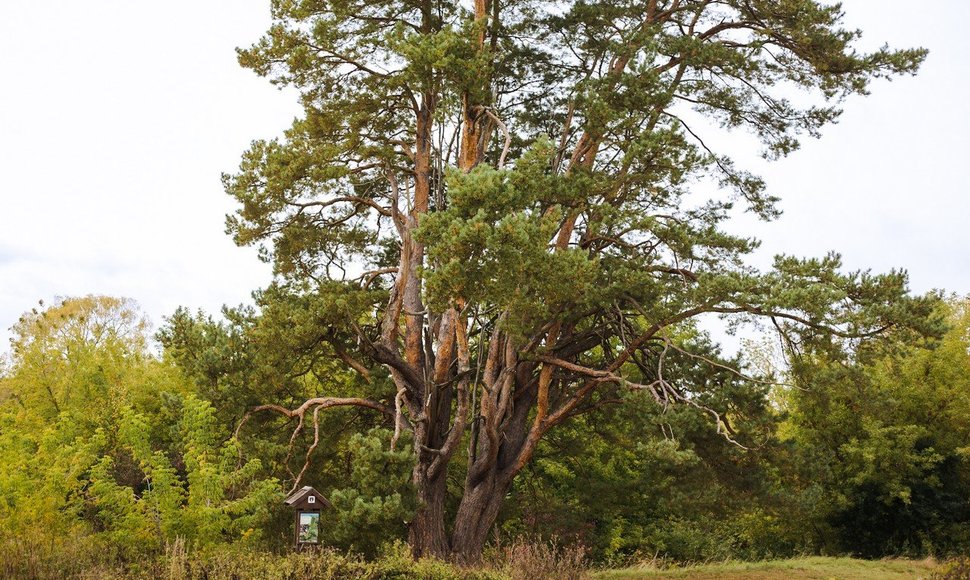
(796, 569)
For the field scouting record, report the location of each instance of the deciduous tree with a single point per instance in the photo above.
(882, 431)
(99, 439)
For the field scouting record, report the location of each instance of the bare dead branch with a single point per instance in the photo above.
(317, 404)
(505, 131)
(398, 415)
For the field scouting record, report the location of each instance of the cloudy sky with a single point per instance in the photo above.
(117, 118)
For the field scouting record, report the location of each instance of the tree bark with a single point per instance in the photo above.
(476, 515)
(427, 534)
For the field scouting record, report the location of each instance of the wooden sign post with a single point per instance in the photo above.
(307, 504)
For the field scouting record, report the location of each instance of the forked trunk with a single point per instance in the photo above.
(480, 506)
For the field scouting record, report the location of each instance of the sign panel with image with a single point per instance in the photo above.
(309, 530)
(307, 504)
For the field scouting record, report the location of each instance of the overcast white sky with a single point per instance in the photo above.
(117, 118)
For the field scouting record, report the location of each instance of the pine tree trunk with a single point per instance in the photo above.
(427, 535)
(474, 519)
(476, 515)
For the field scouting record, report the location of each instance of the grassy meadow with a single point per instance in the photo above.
(814, 568)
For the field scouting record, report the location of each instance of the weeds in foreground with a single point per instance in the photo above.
(956, 569)
(520, 560)
(530, 560)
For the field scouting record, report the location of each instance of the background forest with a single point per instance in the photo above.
(499, 234)
(109, 447)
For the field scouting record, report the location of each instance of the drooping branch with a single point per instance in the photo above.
(352, 363)
(668, 391)
(353, 199)
(559, 415)
(317, 404)
(821, 327)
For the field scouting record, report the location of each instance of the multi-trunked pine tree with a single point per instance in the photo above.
(487, 201)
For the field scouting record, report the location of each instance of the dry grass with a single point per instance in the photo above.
(532, 560)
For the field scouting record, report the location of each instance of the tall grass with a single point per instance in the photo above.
(86, 558)
(534, 559)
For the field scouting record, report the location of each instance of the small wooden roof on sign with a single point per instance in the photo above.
(307, 498)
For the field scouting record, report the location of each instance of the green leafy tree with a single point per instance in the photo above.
(71, 365)
(208, 499)
(102, 439)
(881, 435)
(491, 203)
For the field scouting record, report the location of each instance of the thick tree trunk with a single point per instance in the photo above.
(427, 534)
(479, 509)
(490, 475)
(476, 515)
